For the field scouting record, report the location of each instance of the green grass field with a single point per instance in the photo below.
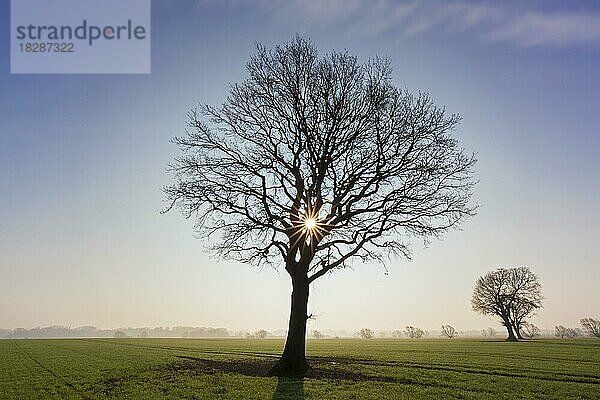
(343, 369)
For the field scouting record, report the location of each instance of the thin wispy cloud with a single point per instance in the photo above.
(534, 29)
(523, 24)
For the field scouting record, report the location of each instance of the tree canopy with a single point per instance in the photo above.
(325, 140)
(513, 294)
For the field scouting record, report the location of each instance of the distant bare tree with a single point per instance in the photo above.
(143, 334)
(560, 331)
(529, 330)
(317, 335)
(591, 326)
(565, 332)
(449, 331)
(574, 333)
(120, 335)
(513, 294)
(491, 332)
(396, 334)
(314, 163)
(413, 332)
(366, 333)
(261, 334)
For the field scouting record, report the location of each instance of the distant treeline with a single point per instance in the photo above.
(92, 331)
(208, 332)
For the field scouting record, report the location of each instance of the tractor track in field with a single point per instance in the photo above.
(256, 368)
(188, 349)
(277, 355)
(122, 366)
(259, 368)
(563, 377)
(595, 380)
(56, 376)
(505, 356)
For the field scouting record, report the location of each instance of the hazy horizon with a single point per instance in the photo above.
(430, 333)
(83, 160)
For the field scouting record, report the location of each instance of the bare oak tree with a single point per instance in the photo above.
(413, 332)
(529, 330)
(317, 334)
(314, 163)
(572, 333)
(560, 331)
(513, 294)
(591, 326)
(449, 331)
(261, 334)
(365, 333)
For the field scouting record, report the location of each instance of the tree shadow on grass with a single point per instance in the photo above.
(289, 389)
(260, 368)
(323, 368)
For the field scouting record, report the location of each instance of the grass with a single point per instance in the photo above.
(343, 369)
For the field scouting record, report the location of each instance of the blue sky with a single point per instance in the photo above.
(83, 158)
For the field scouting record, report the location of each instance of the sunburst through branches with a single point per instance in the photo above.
(310, 224)
(309, 228)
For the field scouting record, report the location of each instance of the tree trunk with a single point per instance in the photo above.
(511, 335)
(518, 331)
(293, 361)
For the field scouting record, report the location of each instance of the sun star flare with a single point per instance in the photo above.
(310, 224)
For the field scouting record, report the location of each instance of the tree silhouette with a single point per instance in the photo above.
(314, 163)
(560, 331)
(414, 332)
(564, 332)
(591, 326)
(120, 335)
(365, 333)
(261, 334)
(317, 334)
(449, 331)
(530, 331)
(513, 294)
